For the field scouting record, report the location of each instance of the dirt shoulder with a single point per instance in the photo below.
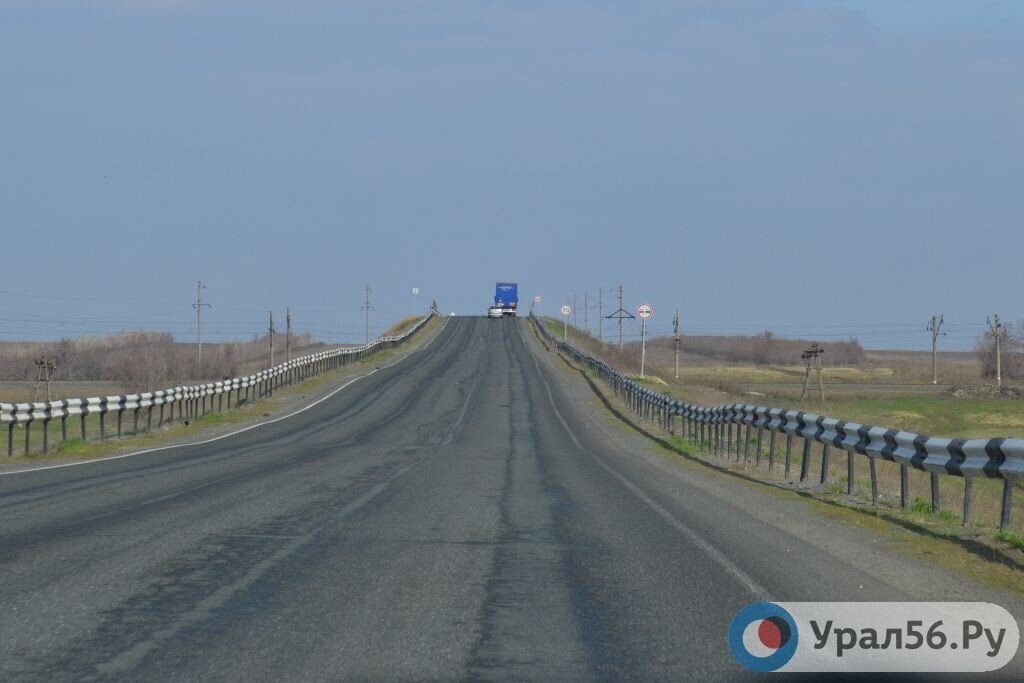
(285, 400)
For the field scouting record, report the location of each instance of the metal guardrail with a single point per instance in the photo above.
(189, 401)
(994, 458)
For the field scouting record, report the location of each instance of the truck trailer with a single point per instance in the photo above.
(506, 297)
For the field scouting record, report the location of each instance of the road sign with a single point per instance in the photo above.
(566, 310)
(644, 311)
(536, 299)
(415, 290)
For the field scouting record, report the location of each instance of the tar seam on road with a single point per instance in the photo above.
(244, 429)
(744, 579)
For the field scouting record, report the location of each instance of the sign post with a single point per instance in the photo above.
(644, 312)
(415, 299)
(565, 312)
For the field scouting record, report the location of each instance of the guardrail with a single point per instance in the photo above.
(714, 427)
(189, 401)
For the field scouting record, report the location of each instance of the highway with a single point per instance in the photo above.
(467, 513)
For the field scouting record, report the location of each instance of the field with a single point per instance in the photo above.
(888, 389)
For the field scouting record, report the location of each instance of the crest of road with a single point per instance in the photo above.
(472, 511)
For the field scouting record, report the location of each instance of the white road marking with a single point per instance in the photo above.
(238, 431)
(744, 579)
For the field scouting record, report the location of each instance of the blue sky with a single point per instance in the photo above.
(824, 169)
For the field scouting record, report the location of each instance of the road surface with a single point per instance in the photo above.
(462, 514)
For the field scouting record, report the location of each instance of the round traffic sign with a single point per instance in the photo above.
(644, 311)
(566, 310)
(536, 299)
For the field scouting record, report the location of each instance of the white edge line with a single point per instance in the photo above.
(238, 431)
(730, 567)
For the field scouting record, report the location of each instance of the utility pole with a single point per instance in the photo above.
(600, 315)
(43, 369)
(198, 305)
(997, 332)
(620, 315)
(935, 327)
(586, 311)
(368, 307)
(288, 334)
(271, 333)
(675, 342)
(575, 319)
(812, 360)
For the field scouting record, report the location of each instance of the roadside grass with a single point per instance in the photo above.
(923, 413)
(402, 325)
(959, 418)
(172, 432)
(1010, 538)
(981, 538)
(20, 391)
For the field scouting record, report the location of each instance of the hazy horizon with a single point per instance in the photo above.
(822, 169)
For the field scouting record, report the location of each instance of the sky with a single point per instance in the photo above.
(822, 169)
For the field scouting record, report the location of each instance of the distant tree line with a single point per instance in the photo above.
(765, 349)
(142, 360)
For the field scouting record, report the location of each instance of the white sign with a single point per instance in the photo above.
(415, 290)
(644, 311)
(566, 310)
(536, 299)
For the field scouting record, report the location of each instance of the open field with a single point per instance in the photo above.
(889, 389)
(935, 414)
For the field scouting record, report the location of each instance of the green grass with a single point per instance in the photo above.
(948, 417)
(922, 509)
(1010, 538)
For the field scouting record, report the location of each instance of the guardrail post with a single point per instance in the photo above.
(161, 420)
(728, 439)
(1004, 513)
(46, 437)
(28, 437)
(82, 419)
(904, 486)
(135, 421)
(103, 430)
(824, 463)
(120, 415)
(805, 465)
(700, 446)
(746, 444)
(935, 491)
(874, 481)
(64, 428)
(757, 458)
(968, 498)
(789, 453)
(149, 419)
(849, 472)
(771, 450)
(10, 440)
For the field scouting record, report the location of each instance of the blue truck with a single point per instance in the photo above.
(506, 297)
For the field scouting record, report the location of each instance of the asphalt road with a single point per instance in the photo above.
(458, 515)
